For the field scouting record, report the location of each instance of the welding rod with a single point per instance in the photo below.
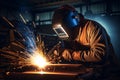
(55, 46)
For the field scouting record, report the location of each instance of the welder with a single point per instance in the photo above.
(83, 40)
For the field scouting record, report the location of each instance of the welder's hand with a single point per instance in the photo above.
(67, 55)
(55, 57)
(76, 55)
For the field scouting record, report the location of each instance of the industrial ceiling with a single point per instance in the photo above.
(44, 4)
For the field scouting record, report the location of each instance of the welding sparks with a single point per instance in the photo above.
(35, 59)
(38, 60)
(25, 50)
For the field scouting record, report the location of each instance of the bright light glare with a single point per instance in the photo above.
(38, 60)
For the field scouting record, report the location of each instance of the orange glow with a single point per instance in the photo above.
(37, 59)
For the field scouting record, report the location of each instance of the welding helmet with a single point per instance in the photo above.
(65, 19)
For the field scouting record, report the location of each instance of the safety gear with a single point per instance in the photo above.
(64, 20)
(93, 35)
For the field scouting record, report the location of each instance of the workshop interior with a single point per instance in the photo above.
(28, 42)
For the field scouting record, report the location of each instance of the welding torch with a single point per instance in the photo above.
(54, 55)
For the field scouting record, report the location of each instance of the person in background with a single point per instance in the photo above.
(84, 41)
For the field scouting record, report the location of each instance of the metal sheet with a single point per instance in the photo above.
(41, 76)
(62, 72)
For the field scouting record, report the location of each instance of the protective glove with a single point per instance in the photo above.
(67, 55)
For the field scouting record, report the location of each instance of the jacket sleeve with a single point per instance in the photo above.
(97, 39)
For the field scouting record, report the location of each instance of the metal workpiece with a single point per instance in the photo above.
(52, 72)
